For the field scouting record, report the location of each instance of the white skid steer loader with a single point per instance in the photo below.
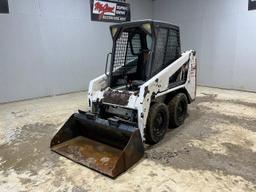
(146, 88)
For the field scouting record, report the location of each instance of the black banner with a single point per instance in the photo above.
(4, 7)
(110, 11)
(252, 4)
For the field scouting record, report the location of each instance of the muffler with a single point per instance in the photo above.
(107, 146)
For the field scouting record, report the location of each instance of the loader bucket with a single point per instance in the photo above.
(106, 146)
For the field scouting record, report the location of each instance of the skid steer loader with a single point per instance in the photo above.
(146, 88)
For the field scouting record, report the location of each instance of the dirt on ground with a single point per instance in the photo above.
(215, 149)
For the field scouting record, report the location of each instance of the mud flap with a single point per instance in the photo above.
(106, 146)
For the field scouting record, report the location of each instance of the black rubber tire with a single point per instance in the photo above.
(178, 108)
(157, 123)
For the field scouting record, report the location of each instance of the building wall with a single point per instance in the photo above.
(50, 47)
(223, 32)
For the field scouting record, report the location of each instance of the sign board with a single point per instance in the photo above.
(110, 11)
(124, 1)
(4, 7)
(252, 5)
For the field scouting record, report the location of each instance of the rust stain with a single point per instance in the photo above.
(136, 93)
(116, 97)
(90, 153)
(146, 91)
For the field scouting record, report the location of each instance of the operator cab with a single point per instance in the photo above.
(140, 50)
(132, 53)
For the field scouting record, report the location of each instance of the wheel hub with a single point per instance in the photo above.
(158, 124)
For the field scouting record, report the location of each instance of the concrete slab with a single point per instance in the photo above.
(215, 150)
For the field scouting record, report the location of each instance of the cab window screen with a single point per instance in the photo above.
(136, 44)
(173, 47)
(121, 49)
(160, 50)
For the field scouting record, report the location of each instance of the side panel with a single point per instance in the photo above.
(159, 85)
(192, 77)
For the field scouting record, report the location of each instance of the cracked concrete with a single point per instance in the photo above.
(215, 150)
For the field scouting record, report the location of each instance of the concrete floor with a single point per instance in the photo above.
(215, 150)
